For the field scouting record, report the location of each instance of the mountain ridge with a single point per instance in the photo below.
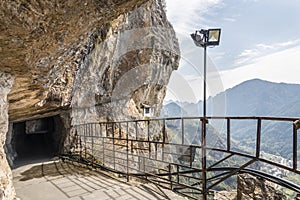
(253, 97)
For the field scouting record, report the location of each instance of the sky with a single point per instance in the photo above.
(259, 39)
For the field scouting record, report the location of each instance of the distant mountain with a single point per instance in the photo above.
(252, 98)
(260, 98)
(172, 109)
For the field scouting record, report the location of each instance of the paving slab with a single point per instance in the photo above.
(56, 180)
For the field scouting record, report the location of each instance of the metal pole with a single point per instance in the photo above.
(204, 84)
(203, 151)
(204, 185)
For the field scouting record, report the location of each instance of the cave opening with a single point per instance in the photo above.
(34, 140)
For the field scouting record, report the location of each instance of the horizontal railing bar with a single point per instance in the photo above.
(153, 167)
(175, 164)
(181, 184)
(183, 175)
(217, 176)
(292, 119)
(258, 159)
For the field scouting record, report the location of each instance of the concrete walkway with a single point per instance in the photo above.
(59, 181)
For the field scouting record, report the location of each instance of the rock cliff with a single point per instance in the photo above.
(91, 60)
(41, 43)
(251, 187)
(129, 65)
(6, 188)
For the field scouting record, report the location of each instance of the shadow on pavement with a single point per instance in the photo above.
(77, 181)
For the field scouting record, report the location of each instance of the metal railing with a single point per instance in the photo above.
(169, 151)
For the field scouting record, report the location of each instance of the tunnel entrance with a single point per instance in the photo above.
(35, 140)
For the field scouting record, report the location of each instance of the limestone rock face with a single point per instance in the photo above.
(6, 188)
(130, 65)
(41, 44)
(250, 187)
(48, 46)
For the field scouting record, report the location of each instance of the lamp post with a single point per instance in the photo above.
(205, 38)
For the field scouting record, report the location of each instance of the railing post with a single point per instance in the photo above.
(92, 135)
(103, 144)
(228, 135)
(101, 134)
(258, 137)
(164, 131)
(155, 150)
(164, 140)
(106, 129)
(182, 131)
(113, 141)
(170, 176)
(84, 136)
(148, 137)
(136, 130)
(191, 156)
(177, 170)
(127, 152)
(295, 147)
(80, 141)
(120, 130)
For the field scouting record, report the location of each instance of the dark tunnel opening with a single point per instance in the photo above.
(36, 140)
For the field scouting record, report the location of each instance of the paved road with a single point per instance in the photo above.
(59, 181)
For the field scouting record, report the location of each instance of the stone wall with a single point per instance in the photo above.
(6, 188)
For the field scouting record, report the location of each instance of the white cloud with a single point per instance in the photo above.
(249, 52)
(260, 50)
(288, 43)
(246, 56)
(186, 16)
(229, 19)
(282, 66)
(264, 46)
